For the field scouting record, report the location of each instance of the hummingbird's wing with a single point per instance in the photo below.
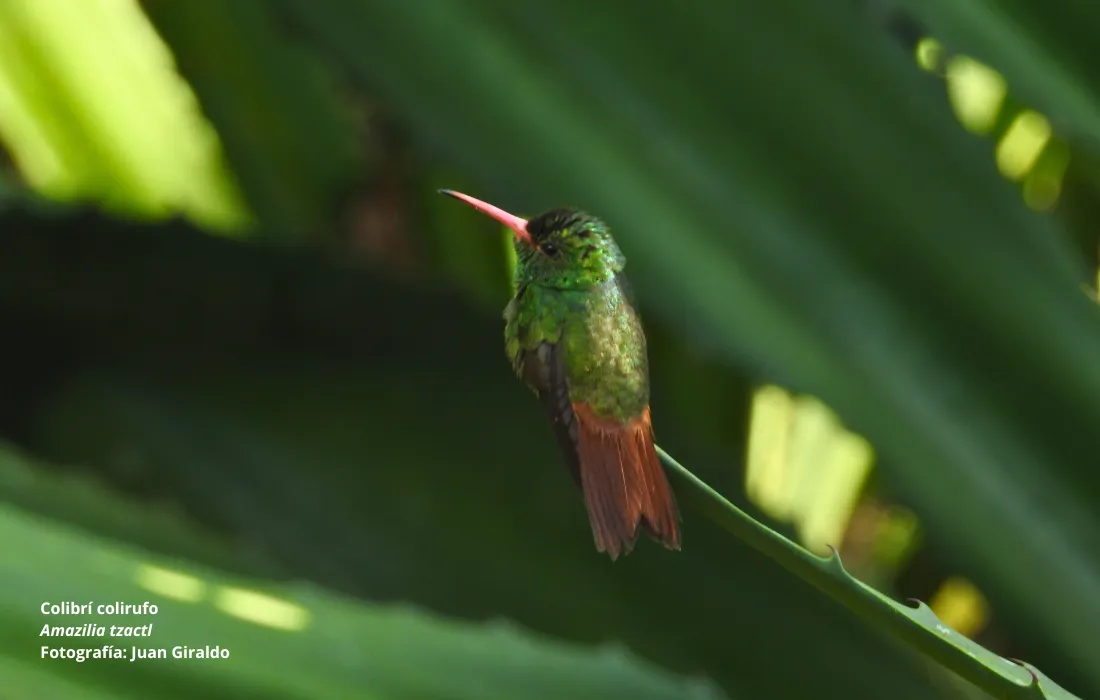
(543, 369)
(614, 464)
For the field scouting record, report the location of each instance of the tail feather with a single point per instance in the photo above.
(625, 487)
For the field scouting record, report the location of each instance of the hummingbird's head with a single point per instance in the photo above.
(563, 248)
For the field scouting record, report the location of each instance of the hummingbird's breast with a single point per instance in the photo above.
(605, 354)
(599, 337)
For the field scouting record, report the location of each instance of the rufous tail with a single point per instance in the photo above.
(624, 485)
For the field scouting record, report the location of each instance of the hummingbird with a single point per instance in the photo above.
(574, 337)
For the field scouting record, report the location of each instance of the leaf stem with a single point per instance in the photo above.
(918, 627)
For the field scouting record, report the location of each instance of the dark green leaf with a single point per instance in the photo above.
(278, 118)
(918, 625)
(284, 642)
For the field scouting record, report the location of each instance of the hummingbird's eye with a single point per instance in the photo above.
(550, 249)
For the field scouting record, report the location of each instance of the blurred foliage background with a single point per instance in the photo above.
(252, 365)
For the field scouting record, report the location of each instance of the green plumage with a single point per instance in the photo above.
(572, 295)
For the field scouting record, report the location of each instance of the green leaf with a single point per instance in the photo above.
(918, 625)
(1045, 51)
(290, 146)
(284, 641)
(101, 115)
(79, 500)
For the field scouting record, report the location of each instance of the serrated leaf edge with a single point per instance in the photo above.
(829, 575)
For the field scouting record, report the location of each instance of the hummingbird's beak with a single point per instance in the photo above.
(518, 225)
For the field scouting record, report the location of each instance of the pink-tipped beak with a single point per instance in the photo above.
(518, 225)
